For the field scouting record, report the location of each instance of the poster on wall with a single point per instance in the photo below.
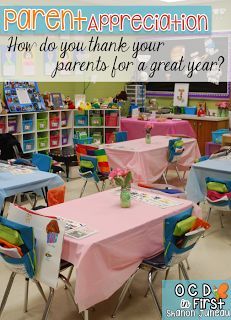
(181, 95)
(23, 96)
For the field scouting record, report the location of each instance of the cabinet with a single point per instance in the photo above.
(204, 128)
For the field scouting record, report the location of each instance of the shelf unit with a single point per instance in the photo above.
(136, 93)
(55, 129)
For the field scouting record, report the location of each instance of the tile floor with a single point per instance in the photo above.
(211, 259)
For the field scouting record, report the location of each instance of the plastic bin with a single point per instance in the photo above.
(109, 137)
(111, 120)
(42, 124)
(64, 139)
(217, 135)
(12, 126)
(96, 121)
(190, 110)
(81, 121)
(54, 140)
(54, 123)
(42, 143)
(27, 125)
(64, 122)
(88, 140)
(28, 145)
(2, 127)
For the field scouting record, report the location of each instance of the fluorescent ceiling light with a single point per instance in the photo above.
(173, 0)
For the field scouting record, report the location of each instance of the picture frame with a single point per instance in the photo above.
(181, 91)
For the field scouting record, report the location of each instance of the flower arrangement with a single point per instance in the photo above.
(148, 128)
(122, 178)
(223, 107)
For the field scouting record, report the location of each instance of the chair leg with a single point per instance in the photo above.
(48, 304)
(69, 275)
(156, 302)
(29, 199)
(154, 274)
(179, 271)
(26, 294)
(208, 216)
(7, 291)
(97, 187)
(83, 189)
(166, 274)
(103, 185)
(183, 270)
(123, 293)
(69, 287)
(165, 178)
(178, 173)
(220, 214)
(40, 289)
(187, 264)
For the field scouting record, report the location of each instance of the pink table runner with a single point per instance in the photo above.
(105, 260)
(147, 162)
(136, 128)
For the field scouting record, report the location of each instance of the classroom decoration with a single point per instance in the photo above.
(148, 130)
(123, 179)
(201, 110)
(23, 96)
(69, 103)
(181, 94)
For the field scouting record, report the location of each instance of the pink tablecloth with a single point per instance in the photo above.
(148, 162)
(105, 260)
(136, 128)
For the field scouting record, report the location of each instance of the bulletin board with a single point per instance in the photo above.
(23, 96)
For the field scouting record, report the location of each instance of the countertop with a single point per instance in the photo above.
(192, 117)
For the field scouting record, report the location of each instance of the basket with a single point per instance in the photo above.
(42, 124)
(64, 140)
(27, 125)
(28, 145)
(110, 137)
(88, 140)
(2, 127)
(42, 143)
(217, 135)
(81, 121)
(54, 141)
(12, 126)
(111, 120)
(190, 110)
(96, 121)
(54, 123)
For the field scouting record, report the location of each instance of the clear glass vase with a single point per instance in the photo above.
(148, 138)
(125, 198)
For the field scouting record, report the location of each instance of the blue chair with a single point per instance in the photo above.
(88, 171)
(175, 150)
(42, 161)
(121, 136)
(172, 255)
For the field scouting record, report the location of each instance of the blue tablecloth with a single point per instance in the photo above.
(214, 168)
(12, 184)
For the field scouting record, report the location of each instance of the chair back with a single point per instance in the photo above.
(56, 195)
(42, 161)
(17, 247)
(103, 164)
(88, 167)
(175, 149)
(218, 193)
(177, 247)
(121, 136)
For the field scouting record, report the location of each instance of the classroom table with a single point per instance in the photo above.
(106, 259)
(213, 168)
(12, 183)
(136, 128)
(148, 162)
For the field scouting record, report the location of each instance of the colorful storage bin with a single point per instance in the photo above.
(217, 135)
(109, 137)
(88, 140)
(42, 124)
(64, 139)
(97, 138)
(42, 143)
(81, 121)
(54, 140)
(28, 145)
(27, 125)
(96, 121)
(54, 123)
(2, 127)
(190, 110)
(12, 126)
(111, 120)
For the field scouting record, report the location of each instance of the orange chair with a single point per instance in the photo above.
(56, 195)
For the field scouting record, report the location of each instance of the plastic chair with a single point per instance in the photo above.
(217, 198)
(42, 161)
(28, 268)
(171, 256)
(121, 136)
(175, 150)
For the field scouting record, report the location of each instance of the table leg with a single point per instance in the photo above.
(67, 170)
(86, 316)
